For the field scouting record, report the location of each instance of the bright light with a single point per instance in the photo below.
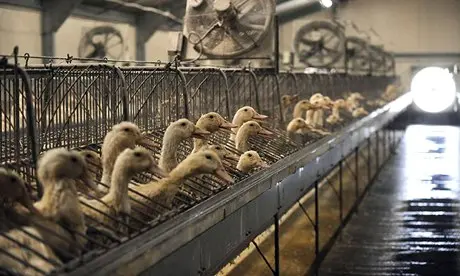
(433, 89)
(326, 3)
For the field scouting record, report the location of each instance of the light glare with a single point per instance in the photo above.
(326, 3)
(433, 89)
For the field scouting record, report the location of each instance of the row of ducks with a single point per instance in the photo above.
(54, 228)
(313, 110)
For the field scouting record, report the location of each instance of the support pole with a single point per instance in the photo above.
(277, 246)
(54, 14)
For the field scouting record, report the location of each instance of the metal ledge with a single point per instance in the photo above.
(203, 239)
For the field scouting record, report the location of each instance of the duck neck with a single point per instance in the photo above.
(241, 141)
(335, 111)
(297, 112)
(168, 158)
(118, 192)
(198, 144)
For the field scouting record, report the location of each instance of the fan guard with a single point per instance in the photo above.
(320, 43)
(358, 55)
(227, 28)
(102, 42)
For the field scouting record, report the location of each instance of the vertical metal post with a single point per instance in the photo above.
(277, 247)
(277, 45)
(369, 169)
(384, 144)
(356, 172)
(341, 191)
(316, 220)
(377, 151)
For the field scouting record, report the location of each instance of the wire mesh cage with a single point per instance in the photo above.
(75, 106)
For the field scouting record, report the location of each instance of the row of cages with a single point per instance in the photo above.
(45, 107)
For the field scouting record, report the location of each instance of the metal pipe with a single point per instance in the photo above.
(294, 5)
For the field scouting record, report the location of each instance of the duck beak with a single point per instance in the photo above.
(145, 142)
(227, 125)
(88, 181)
(258, 116)
(154, 169)
(264, 132)
(262, 164)
(27, 202)
(222, 174)
(200, 134)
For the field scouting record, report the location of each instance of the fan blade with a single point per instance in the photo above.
(213, 38)
(246, 7)
(308, 42)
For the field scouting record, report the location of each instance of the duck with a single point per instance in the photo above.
(210, 122)
(301, 108)
(177, 132)
(121, 136)
(59, 226)
(335, 118)
(300, 126)
(243, 115)
(248, 129)
(249, 161)
(164, 190)
(358, 112)
(13, 190)
(58, 170)
(94, 163)
(316, 101)
(116, 203)
(286, 102)
(221, 151)
(321, 104)
(352, 101)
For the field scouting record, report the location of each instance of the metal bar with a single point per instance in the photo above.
(277, 44)
(263, 257)
(369, 160)
(357, 172)
(277, 247)
(306, 213)
(316, 219)
(341, 191)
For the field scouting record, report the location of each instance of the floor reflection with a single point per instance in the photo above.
(428, 238)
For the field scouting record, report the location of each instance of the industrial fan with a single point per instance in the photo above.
(229, 29)
(101, 42)
(358, 56)
(320, 43)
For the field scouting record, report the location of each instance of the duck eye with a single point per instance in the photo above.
(217, 148)
(208, 157)
(245, 110)
(13, 179)
(211, 116)
(251, 125)
(89, 156)
(249, 154)
(73, 159)
(126, 129)
(183, 124)
(137, 154)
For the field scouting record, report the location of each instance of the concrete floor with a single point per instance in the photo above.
(297, 236)
(410, 224)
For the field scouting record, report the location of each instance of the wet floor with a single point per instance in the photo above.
(408, 224)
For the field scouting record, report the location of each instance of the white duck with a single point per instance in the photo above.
(243, 115)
